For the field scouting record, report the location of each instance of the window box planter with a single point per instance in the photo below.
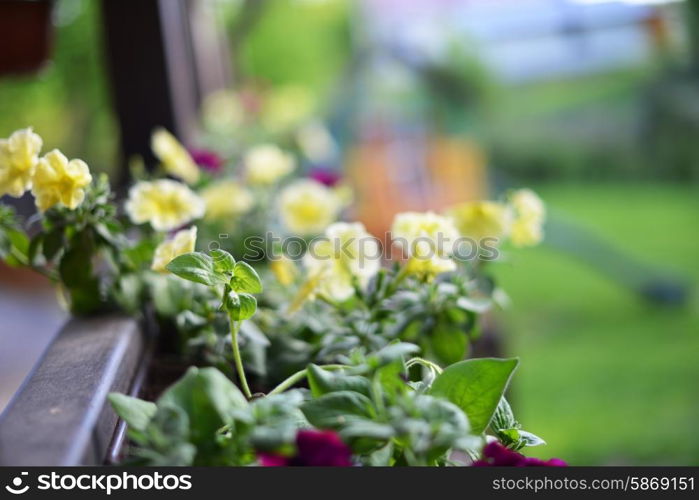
(61, 416)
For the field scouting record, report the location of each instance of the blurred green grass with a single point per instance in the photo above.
(605, 377)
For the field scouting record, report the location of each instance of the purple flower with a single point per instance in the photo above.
(271, 460)
(325, 176)
(207, 160)
(313, 449)
(496, 455)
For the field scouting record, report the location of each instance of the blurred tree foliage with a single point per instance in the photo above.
(635, 123)
(68, 101)
(281, 42)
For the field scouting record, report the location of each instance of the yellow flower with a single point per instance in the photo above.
(308, 207)
(527, 204)
(287, 107)
(481, 219)
(183, 242)
(428, 240)
(266, 164)
(346, 253)
(226, 199)
(527, 232)
(19, 155)
(429, 266)
(284, 270)
(166, 204)
(222, 111)
(174, 156)
(307, 291)
(344, 193)
(530, 214)
(59, 181)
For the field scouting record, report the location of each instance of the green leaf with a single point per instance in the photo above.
(366, 436)
(240, 306)
(248, 306)
(86, 300)
(34, 246)
(252, 332)
(323, 382)
(112, 233)
(509, 437)
(128, 292)
(75, 267)
(448, 343)
(76, 272)
(140, 253)
(478, 306)
(382, 457)
(188, 321)
(197, 267)
(517, 439)
(223, 261)
(231, 301)
(170, 295)
(14, 242)
(392, 352)
(529, 439)
(392, 378)
(476, 386)
(337, 409)
(277, 419)
(367, 429)
(53, 243)
(135, 412)
(19, 240)
(245, 279)
(208, 398)
(504, 418)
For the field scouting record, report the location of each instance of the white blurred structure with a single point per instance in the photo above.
(526, 40)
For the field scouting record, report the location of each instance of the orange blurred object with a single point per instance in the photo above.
(412, 174)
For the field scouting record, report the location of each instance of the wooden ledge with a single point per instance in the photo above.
(60, 416)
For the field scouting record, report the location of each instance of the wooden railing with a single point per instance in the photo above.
(60, 416)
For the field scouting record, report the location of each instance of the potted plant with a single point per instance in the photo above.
(327, 348)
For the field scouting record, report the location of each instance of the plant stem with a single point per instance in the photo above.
(424, 362)
(329, 301)
(235, 328)
(23, 260)
(298, 376)
(393, 286)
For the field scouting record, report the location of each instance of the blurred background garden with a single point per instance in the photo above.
(592, 103)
